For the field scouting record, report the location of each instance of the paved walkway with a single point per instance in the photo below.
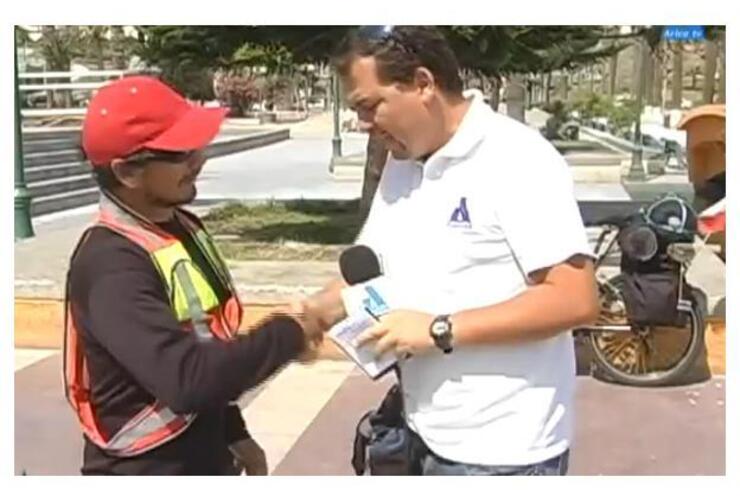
(305, 420)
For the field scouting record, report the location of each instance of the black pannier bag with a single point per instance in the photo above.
(651, 280)
(651, 298)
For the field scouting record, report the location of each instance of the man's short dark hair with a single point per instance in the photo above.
(106, 179)
(103, 175)
(399, 51)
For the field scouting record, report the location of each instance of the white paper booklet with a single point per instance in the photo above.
(345, 332)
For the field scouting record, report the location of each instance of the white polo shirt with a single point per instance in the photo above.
(445, 231)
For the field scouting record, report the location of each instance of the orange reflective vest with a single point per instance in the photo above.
(195, 305)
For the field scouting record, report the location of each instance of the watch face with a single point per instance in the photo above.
(439, 328)
(441, 332)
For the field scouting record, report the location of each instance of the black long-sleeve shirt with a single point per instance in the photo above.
(137, 352)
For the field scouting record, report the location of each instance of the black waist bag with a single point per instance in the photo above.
(382, 440)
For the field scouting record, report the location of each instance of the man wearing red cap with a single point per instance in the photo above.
(152, 360)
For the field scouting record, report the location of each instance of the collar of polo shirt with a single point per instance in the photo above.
(468, 135)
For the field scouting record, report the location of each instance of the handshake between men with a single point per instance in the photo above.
(400, 331)
(319, 312)
(316, 314)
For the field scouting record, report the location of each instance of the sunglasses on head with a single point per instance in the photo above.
(385, 34)
(376, 33)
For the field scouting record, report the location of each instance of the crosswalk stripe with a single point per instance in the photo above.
(277, 417)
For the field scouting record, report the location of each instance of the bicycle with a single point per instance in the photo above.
(637, 354)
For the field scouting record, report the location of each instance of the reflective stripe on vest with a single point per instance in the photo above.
(194, 304)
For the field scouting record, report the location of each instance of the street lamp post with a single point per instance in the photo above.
(23, 226)
(336, 141)
(637, 171)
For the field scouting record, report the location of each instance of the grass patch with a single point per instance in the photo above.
(285, 230)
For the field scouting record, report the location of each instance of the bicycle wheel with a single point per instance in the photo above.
(645, 356)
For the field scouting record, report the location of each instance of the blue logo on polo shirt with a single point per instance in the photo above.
(460, 216)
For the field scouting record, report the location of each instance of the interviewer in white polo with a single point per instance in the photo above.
(476, 220)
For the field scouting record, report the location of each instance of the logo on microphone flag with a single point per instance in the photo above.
(374, 302)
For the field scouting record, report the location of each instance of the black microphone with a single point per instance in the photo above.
(359, 264)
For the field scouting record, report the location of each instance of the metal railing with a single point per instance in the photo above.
(102, 76)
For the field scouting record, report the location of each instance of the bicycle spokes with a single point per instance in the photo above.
(642, 351)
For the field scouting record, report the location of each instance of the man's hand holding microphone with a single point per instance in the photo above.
(403, 332)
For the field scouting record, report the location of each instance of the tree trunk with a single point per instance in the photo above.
(120, 59)
(495, 92)
(649, 70)
(677, 84)
(613, 62)
(99, 56)
(327, 89)
(604, 78)
(309, 93)
(710, 70)
(548, 83)
(542, 89)
(516, 94)
(564, 86)
(467, 78)
(574, 81)
(658, 83)
(636, 64)
(591, 79)
(374, 163)
(294, 99)
(722, 68)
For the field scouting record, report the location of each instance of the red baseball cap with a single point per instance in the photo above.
(140, 112)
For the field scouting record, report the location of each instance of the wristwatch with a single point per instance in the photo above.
(441, 332)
